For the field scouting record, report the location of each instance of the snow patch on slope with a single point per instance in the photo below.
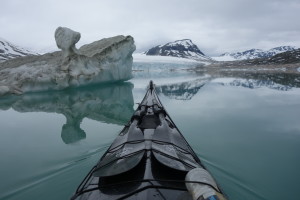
(9, 50)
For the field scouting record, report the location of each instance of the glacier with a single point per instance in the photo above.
(103, 61)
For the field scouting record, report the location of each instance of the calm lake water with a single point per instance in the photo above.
(245, 130)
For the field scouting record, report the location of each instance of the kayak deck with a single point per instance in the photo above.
(149, 159)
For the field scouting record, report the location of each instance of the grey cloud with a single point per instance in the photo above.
(215, 26)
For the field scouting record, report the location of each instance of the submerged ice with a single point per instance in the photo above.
(106, 60)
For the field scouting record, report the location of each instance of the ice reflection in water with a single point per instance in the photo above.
(109, 104)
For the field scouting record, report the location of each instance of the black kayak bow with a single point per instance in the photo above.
(149, 159)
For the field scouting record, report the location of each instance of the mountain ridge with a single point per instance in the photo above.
(254, 53)
(183, 48)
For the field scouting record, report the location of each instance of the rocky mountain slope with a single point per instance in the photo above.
(9, 51)
(180, 48)
(289, 57)
(286, 57)
(254, 53)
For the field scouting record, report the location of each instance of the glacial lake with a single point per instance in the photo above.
(245, 129)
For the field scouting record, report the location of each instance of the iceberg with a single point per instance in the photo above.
(103, 61)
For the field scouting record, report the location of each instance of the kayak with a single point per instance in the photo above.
(149, 159)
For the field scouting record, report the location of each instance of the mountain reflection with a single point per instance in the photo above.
(183, 90)
(254, 79)
(111, 103)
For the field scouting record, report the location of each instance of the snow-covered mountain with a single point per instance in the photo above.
(180, 48)
(281, 49)
(9, 51)
(288, 57)
(253, 53)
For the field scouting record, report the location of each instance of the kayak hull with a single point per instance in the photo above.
(149, 159)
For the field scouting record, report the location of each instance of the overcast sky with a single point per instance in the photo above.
(215, 26)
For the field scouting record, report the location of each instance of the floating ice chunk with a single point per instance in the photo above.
(106, 60)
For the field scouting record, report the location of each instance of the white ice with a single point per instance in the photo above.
(139, 57)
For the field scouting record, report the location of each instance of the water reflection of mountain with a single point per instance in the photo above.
(253, 84)
(273, 80)
(110, 104)
(183, 90)
(186, 90)
(277, 81)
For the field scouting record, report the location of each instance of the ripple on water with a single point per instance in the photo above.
(67, 175)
